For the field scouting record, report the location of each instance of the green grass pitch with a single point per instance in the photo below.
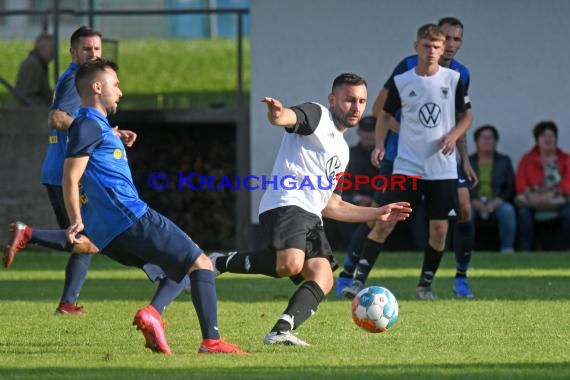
(517, 327)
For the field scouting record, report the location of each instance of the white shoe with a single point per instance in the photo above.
(284, 337)
(214, 256)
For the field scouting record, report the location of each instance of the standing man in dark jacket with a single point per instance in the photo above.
(32, 81)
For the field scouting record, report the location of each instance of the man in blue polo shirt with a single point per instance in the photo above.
(101, 199)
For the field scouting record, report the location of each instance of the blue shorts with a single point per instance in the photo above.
(462, 180)
(155, 241)
(55, 195)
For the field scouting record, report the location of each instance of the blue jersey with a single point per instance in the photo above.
(110, 203)
(67, 100)
(408, 63)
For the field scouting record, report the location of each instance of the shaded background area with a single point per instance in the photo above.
(208, 216)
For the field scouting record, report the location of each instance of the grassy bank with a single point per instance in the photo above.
(157, 73)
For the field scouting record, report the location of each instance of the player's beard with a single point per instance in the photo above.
(341, 120)
(111, 108)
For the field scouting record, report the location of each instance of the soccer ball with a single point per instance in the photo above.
(375, 309)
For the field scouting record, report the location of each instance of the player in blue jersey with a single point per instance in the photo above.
(101, 199)
(364, 247)
(85, 45)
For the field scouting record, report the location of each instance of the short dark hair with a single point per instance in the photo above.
(350, 79)
(483, 128)
(87, 71)
(544, 126)
(83, 31)
(453, 21)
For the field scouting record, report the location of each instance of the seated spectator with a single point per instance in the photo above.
(491, 198)
(543, 185)
(32, 81)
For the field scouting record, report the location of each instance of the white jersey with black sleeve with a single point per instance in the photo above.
(311, 154)
(428, 108)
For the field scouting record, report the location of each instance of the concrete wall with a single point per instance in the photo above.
(516, 51)
(23, 142)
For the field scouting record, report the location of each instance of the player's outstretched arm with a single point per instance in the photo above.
(340, 210)
(394, 212)
(279, 115)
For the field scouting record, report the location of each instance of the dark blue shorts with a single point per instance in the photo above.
(55, 195)
(155, 241)
(462, 180)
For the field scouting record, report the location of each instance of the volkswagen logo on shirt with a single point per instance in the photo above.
(333, 168)
(430, 115)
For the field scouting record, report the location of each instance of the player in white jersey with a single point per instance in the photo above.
(431, 97)
(364, 248)
(312, 153)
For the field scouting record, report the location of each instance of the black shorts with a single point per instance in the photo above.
(292, 227)
(386, 169)
(440, 196)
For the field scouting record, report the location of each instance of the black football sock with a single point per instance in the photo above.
(256, 262)
(302, 305)
(370, 251)
(463, 234)
(354, 248)
(432, 259)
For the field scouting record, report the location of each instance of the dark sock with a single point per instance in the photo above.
(257, 262)
(205, 302)
(370, 251)
(167, 291)
(75, 274)
(301, 306)
(354, 248)
(463, 234)
(432, 259)
(55, 239)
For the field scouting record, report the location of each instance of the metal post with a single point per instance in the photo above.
(56, 39)
(91, 15)
(45, 22)
(239, 94)
(212, 20)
